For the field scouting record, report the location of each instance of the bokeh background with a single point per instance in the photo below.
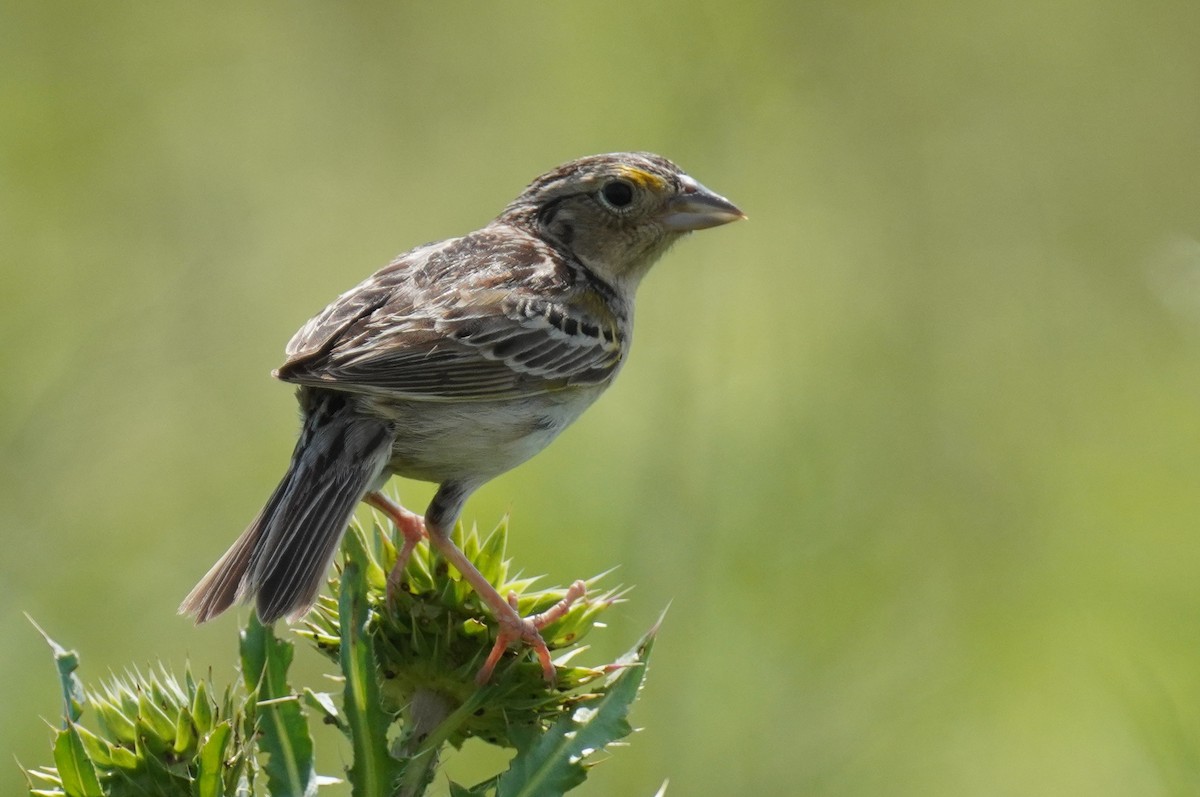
(913, 454)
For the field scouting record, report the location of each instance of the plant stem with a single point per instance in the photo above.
(427, 710)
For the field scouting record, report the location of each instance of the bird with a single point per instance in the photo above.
(453, 364)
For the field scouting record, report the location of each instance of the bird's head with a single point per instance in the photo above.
(618, 213)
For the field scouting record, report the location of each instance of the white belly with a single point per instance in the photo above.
(477, 440)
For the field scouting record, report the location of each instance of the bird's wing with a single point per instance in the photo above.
(464, 320)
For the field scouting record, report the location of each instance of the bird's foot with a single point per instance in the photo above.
(517, 629)
(411, 526)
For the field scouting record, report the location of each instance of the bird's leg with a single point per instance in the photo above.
(515, 628)
(410, 525)
(439, 520)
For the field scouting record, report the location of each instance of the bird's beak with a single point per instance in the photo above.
(697, 208)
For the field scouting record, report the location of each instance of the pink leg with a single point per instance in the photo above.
(513, 627)
(527, 629)
(411, 526)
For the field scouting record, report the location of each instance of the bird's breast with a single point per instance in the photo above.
(477, 440)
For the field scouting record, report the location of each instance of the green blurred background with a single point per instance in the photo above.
(913, 453)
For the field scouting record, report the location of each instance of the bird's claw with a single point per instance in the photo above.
(517, 629)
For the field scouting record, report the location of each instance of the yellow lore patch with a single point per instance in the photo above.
(644, 179)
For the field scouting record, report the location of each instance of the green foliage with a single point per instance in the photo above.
(283, 730)
(408, 665)
(917, 445)
(556, 761)
(77, 774)
(374, 770)
(66, 662)
(436, 635)
(155, 737)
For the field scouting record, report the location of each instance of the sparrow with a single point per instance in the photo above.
(453, 364)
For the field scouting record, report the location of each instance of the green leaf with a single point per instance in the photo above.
(44, 775)
(323, 703)
(485, 788)
(374, 770)
(99, 750)
(185, 731)
(155, 721)
(202, 706)
(550, 765)
(284, 730)
(124, 758)
(490, 557)
(478, 790)
(78, 773)
(114, 721)
(210, 764)
(67, 662)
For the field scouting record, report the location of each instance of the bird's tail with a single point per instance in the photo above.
(282, 556)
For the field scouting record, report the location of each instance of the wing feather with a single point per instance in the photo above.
(466, 319)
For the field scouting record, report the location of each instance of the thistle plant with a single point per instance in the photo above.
(407, 665)
(154, 735)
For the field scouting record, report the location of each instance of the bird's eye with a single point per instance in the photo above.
(617, 193)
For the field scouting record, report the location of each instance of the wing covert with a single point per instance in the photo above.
(404, 333)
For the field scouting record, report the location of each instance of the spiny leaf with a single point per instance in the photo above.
(75, 768)
(285, 737)
(209, 764)
(98, 750)
(487, 787)
(202, 705)
(374, 770)
(556, 761)
(67, 662)
(490, 556)
(323, 703)
(153, 719)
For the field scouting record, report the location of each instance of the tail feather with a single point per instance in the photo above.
(305, 535)
(283, 555)
(221, 587)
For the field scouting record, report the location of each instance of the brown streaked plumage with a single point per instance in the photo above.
(454, 363)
